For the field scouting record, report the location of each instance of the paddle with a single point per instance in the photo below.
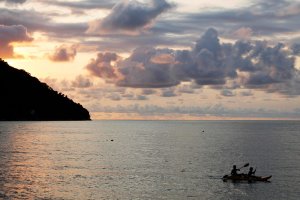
(245, 165)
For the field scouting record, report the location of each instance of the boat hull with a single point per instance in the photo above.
(246, 178)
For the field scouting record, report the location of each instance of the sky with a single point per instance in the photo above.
(161, 59)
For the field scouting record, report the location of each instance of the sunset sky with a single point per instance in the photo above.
(161, 59)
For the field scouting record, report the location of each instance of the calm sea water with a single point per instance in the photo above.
(147, 159)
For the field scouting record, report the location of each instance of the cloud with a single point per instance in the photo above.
(246, 93)
(168, 92)
(10, 34)
(262, 64)
(126, 43)
(114, 97)
(141, 97)
(187, 89)
(64, 53)
(82, 82)
(129, 16)
(172, 30)
(217, 110)
(272, 65)
(227, 93)
(13, 1)
(31, 19)
(148, 91)
(288, 9)
(243, 33)
(103, 66)
(296, 48)
(83, 5)
(37, 21)
(139, 70)
(260, 18)
(133, 97)
(209, 41)
(243, 64)
(175, 29)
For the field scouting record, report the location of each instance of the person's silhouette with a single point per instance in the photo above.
(251, 172)
(234, 171)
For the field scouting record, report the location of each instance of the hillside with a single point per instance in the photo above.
(23, 97)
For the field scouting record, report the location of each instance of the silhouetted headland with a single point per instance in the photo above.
(23, 97)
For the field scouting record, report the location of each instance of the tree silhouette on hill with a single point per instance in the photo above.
(23, 97)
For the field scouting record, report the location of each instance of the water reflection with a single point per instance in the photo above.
(24, 162)
(144, 160)
(53, 160)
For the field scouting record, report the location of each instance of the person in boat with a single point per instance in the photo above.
(234, 171)
(251, 172)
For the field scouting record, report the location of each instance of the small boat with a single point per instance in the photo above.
(243, 177)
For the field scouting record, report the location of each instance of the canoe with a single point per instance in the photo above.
(246, 178)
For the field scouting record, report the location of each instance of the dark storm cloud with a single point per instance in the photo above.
(9, 34)
(147, 68)
(260, 78)
(64, 53)
(204, 64)
(210, 42)
(247, 64)
(129, 16)
(273, 64)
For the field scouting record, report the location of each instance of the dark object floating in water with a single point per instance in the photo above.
(243, 177)
(111, 140)
(25, 98)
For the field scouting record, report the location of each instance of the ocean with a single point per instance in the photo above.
(148, 159)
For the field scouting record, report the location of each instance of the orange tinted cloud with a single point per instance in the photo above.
(64, 53)
(10, 34)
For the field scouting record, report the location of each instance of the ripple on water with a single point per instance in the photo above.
(146, 160)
